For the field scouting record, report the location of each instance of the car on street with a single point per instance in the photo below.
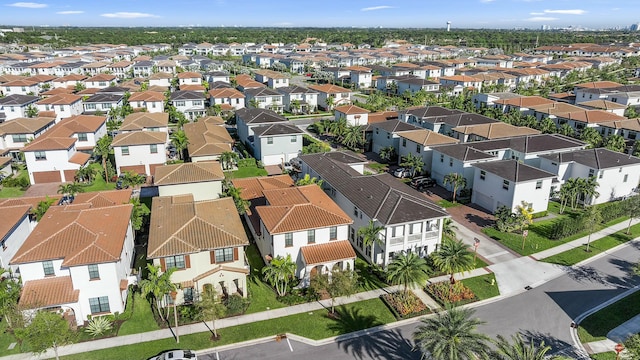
(422, 182)
(175, 355)
(402, 173)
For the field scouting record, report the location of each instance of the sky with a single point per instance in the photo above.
(505, 14)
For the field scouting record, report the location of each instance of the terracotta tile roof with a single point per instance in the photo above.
(57, 91)
(21, 82)
(252, 188)
(382, 116)
(11, 216)
(25, 125)
(217, 269)
(5, 160)
(104, 198)
(207, 137)
(329, 89)
(592, 116)
(631, 124)
(79, 158)
(60, 99)
(555, 108)
(160, 76)
(524, 101)
(48, 292)
(189, 75)
(147, 96)
(225, 93)
(44, 143)
(181, 226)
(245, 81)
(328, 252)
(79, 237)
(300, 208)
(603, 104)
(139, 138)
(31, 201)
(495, 130)
(351, 109)
(598, 85)
(139, 121)
(272, 74)
(101, 77)
(188, 173)
(427, 137)
(192, 87)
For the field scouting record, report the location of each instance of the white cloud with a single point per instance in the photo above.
(536, 13)
(487, 1)
(29, 5)
(372, 8)
(566, 12)
(541, 18)
(70, 12)
(128, 15)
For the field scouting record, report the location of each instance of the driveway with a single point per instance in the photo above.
(470, 216)
(42, 189)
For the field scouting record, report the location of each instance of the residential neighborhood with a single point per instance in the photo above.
(218, 196)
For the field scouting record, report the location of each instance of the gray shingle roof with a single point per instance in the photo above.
(259, 116)
(276, 129)
(600, 158)
(16, 99)
(513, 170)
(463, 152)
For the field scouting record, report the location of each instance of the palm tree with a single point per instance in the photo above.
(457, 181)
(408, 270)
(591, 136)
(370, 235)
(453, 257)
(566, 130)
(587, 189)
(338, 127)
(228, 159)
(568, 193)
(180, 141)
(388, 153)
(519, 349)
(279, 272)
(32, 111)
(308, 180)
(413, 162)
(85, 174)
(451, 335)
(103, 149)
(448, 228)
(235, 193)
(547, 126)
(70, 189)
(330, 102)
(42, 208)
(352, 137)
(157, 285)
(615, 143)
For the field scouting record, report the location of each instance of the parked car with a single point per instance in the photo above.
(176, 355)
(402, 173)
(422, 182)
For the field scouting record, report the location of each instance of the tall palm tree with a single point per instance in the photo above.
(279, 273)
(338, 127)
(453, 257)
(615, 143)
(70, 189)
(518, 349)
(413, 162)
(228, 159)
(587, 189)
(448, 228)
(180, 141)
(457, 181)
(566, 130)
(103, 149)
(235, 193)
(451, 335)
(330, 102)
(157, 285)
(591, 136)
(408, 270)
(353, 137)
(370, 235)
(568, 193)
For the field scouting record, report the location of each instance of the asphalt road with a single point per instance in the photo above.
(542, 313)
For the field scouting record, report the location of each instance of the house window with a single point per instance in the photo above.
(418, 148)
(505, 184)
(311, 236)
(107, 106)
(19, 138)
(601, 174)
(294, 138)
(591, 172)
(176, 262)
(94, 273)
(352, 233)
(197, 103)
(333, 233)
(269, 140)
(288, 239)
(538, 184)
(355, 211)
(82, 137)
(41, 155)
(404, 142)
(99, 304)
(153, 148)
(483, 174)
(224, 255)
(47, 266)
(441, 158)
(125, 150)
(102, 83)
(188, 294)
(179, 103)
(626, 177)
(450, 162)
(90, 106)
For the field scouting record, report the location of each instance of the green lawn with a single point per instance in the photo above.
(574, 256)
(246, 172)
(481, 286)
(261, 294)
(368, 279)
(604, 356)
(447, 204)
(141, 320)
(6, 339)
(596, 326)
(99, 184)
(11, 192)
(315, 325)
(377, 167)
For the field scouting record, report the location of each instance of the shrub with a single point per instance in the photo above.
(99, 326)
(539, 214)
(248, 162)
(236, 305)
(444, 293)
(188, 313)
(613, 210)
(566, 227)
(404, 305)
(15, 181)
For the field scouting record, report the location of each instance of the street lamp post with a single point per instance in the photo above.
(476, 244)
(618, 348)
(174, 295)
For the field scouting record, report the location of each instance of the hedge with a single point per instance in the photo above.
(571, 226)
(248, 162)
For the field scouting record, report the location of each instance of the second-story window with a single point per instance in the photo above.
(311, 236)
(47, 266)
(94, 273)
(19, 138)
(175, 262)
(333, 233)
(153, 148)
(82, 137)
(125, 151)
(40, 155)
(288, 239)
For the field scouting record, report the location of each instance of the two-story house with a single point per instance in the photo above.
(387, 134)
(276, 143)
(203, 240)
(15, 134)
(25, 86)
(298, 99)
(247, 119)
(15, 230)
(161, 79)
(189, 78)
(64, 105)
(264, 98)
(208, 139)
(352, 114)
(338, 95)
(459, 159)
(419, 143)
(68, 81)
(226, 96)
(190, 103)
(150, 101)
(100, 81)
(78, 261)
(16, 106)
(411, 222)
(203, 180)
(140, 151)
(142, 68)
(304, 223)
(102, 103)
(272, 79)
(145, 122)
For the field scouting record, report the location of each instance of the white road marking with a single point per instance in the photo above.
(289, 342)
(496, 254)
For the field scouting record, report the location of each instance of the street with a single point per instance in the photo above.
(542, 313)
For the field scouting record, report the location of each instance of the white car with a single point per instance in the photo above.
(401, 173)
(176, 355)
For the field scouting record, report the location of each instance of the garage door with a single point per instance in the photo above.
(69, 175)
(483, 200)
(273, 159)
(138, 169)
(47, 177)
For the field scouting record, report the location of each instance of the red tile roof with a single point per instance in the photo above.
(328, 252)
(48, 292)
